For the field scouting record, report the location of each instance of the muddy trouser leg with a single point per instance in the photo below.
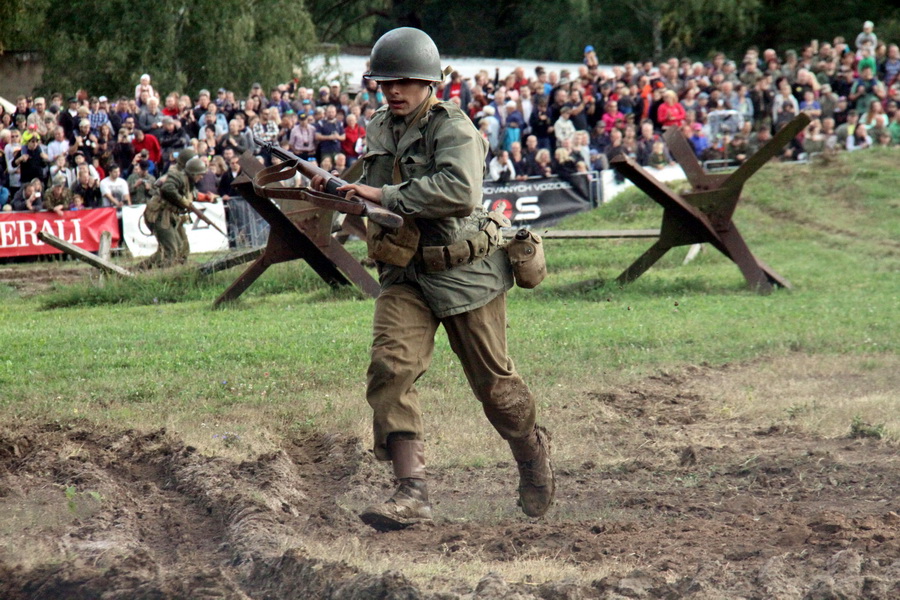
(402, 346)
(184, 246)
(478, 338)
(167, 246)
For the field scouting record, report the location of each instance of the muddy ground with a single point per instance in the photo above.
(43, 273)
(92, 513)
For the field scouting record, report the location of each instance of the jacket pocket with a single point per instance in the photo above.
(416, 165)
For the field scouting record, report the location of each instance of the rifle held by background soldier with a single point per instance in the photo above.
(204, 218)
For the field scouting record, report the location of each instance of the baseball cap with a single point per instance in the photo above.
(222, 90)
(103, 99)
(334, 82)
(588, 49)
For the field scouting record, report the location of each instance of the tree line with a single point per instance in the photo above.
(107, 45)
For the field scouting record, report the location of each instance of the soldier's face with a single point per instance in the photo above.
(405, 95)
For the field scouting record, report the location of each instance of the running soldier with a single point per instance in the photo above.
(445, 266)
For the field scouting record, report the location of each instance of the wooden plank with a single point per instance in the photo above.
(84, 255)
(104, 253)
(599, 234)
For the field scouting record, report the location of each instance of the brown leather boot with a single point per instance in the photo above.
(537, 485)
(409, 504)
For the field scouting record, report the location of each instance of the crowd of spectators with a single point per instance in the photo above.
(89, 151)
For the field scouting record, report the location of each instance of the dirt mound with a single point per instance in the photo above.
(91, 513)
(38, 278)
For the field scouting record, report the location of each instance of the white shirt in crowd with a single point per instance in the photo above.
(56, 148)
(118, 188)
(496, 170)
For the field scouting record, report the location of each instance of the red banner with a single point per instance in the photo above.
(19, 231)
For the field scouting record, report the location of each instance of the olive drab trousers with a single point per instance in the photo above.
(173, 246)
(402, 347)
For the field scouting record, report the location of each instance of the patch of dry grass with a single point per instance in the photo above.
(819, 395)
(467, 565)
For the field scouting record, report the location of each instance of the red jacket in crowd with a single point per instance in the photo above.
(671, 115)
(151, 145)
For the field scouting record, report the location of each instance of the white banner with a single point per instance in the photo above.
(611, 188)
(201, 236)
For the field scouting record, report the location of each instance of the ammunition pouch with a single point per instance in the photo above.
(526, 255)
(152, 210)
(393, 246)
(465, 252)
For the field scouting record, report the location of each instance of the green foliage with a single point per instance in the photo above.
(20, 23)
(792, 23)
(861, 429)
(346, 21)
(105, 47)
(549, 39)
(621, 31)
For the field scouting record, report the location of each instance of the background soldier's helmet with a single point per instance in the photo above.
(405, 53)
(184, 156)
(195, 166)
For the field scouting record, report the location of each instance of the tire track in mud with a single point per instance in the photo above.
(171, 523)
(133, 539)
(770, 513)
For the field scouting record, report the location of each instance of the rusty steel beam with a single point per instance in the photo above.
(309, 238)
(704, 215)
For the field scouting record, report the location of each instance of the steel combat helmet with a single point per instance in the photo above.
(405, 53)
(184, 155)
(195, 166)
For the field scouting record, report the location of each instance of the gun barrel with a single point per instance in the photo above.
(376, 212)
(332, 183)
(205, 219)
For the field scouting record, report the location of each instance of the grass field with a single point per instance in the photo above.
(288, 359)
(292, 353)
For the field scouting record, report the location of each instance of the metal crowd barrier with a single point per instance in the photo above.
(246, 228)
